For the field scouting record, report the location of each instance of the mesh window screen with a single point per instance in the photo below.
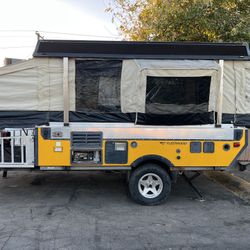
(98, 85)
(177, 95)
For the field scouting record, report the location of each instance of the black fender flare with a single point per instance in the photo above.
(163, 162)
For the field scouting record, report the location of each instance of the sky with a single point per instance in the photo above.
(19, 19)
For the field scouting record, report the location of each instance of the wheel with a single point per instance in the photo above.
(149, 184)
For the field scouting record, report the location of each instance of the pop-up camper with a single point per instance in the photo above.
(151, 109)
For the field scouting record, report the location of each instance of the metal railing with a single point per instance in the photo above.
(17, 151)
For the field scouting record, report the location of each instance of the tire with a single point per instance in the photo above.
(149, 184)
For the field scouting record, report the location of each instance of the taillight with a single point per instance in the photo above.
(236, 144)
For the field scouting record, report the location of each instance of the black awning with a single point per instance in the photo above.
(141, 50)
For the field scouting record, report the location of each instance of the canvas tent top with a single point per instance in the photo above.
(142, 50)
(110, 81)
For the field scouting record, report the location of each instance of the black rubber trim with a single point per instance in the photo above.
(152, 157)
(46, 133)
(238, 133)
(156, 158)
(235, 161)
(36, 147)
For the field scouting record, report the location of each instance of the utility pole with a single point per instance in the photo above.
(39, 37)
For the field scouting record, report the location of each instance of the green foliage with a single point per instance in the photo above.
(182, 20)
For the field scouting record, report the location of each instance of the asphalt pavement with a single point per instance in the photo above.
(245, 175)
(93, 211)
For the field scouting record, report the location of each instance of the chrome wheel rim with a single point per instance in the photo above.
(150, 185)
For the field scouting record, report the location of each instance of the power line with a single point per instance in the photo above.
(61, 33)
(8, 36)
(17, 30)
(78, 34)
(17, 47)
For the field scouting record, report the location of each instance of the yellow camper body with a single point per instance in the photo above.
(125, 146)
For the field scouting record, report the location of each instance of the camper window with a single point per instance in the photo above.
(98, 85)
(176, 95)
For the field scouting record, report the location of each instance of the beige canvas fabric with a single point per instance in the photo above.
(35, 84)
(135, 72)
(236, 94)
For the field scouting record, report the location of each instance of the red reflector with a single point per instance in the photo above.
(236, 144)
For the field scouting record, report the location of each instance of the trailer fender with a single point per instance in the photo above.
(157, 159)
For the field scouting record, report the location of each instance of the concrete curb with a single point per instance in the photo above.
(233, 183)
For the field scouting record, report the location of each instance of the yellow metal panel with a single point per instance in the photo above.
(168, 149)
(47, 155)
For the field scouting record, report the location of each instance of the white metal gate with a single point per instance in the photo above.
(17, 149)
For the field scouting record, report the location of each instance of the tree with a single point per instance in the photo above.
(183, 20)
